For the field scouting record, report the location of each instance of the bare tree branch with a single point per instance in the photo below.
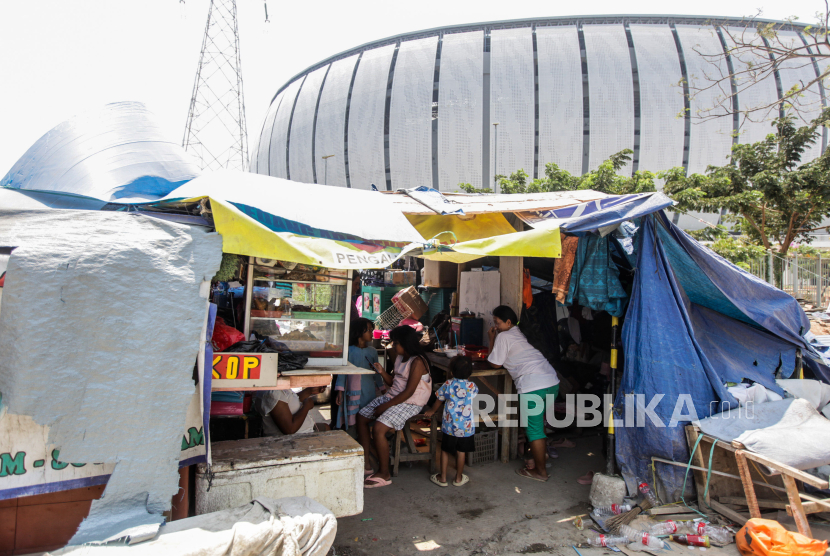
(757, 51)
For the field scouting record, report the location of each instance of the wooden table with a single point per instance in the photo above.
(307, 377)
(482, 370)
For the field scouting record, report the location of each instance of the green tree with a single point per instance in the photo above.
(737, 250)
(605, 179)
(775, 200)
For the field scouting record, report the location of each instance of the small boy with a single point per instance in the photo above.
(457, 426)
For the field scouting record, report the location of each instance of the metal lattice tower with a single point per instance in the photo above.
(216, 132)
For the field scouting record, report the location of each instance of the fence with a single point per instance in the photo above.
(803, 277)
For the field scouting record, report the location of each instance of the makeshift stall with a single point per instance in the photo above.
(690, 321)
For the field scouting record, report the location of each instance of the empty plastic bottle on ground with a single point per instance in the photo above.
(691, 540)
(597, 539)
(717, 535)
(668, 527)
(647, 538)
(647, 493)
(613, 509)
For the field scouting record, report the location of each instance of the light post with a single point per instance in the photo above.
(326, 174)
(496, 162)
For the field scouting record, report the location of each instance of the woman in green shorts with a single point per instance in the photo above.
(535, 378)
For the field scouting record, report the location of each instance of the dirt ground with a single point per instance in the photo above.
(497, 512)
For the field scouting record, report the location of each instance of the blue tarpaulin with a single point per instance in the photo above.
(662, 358)
(608, 212)
(694, 322)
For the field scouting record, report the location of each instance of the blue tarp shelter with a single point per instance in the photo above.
(694, 321)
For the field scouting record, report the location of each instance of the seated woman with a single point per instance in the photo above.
(536, 382)
(285, 412)
(354, 392)
(410, 389)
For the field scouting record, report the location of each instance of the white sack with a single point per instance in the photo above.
(296, 526)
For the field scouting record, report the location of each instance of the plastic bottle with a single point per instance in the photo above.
(691, 540)
(644, 537)
(668, 527)
(717, 535)
(597, 539)
(647, 493)
(613, 509)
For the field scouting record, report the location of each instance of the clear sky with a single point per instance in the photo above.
(62, 57)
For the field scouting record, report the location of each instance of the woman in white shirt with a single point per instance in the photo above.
(284, 412)
(535, 378)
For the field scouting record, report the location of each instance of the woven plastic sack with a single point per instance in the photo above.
(765, 537)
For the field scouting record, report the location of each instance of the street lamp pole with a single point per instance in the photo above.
(496, 162)
(326, 174)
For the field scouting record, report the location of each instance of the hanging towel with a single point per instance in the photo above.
(595, 279)
(563, 266)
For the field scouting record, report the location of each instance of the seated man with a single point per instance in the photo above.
(284, 412)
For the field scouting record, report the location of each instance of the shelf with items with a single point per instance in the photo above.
(337, 282)
(307, 314)
(340, 319)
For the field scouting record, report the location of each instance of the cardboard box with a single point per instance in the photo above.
(440, 274)
(399, 277)
(409, 303)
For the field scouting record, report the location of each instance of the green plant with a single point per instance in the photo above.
(605, 179)
(776, 199)
(228, 269)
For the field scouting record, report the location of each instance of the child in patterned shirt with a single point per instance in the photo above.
(457, 426)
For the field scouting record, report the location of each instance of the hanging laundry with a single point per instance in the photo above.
(595, 279)
(563, 266)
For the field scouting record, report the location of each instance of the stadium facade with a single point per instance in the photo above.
(459, 104)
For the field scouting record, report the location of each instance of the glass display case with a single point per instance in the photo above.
(304, 307)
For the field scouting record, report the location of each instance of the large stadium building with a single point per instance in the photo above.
(460, 104)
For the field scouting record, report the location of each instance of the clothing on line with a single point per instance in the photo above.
(563, 266)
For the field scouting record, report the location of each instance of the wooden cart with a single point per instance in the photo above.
(732, 462)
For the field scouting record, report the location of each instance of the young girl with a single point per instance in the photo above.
(354, 392)
(409, 392)
(458, 425)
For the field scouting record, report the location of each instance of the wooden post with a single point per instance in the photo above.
(511, 270)
(507, 433)
(433, 443)
(749, 488)
(795, 504)
(697, 458)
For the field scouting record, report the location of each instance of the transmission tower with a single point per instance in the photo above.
(216, 132)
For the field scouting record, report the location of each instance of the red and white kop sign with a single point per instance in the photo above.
(236, 366)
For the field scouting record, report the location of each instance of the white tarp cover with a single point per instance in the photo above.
(368, 215)
(18, 199)
(100, 329)
(286, 527)
(789, 431)
(115, 153)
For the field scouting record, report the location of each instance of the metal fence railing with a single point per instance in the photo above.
(803, 277)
